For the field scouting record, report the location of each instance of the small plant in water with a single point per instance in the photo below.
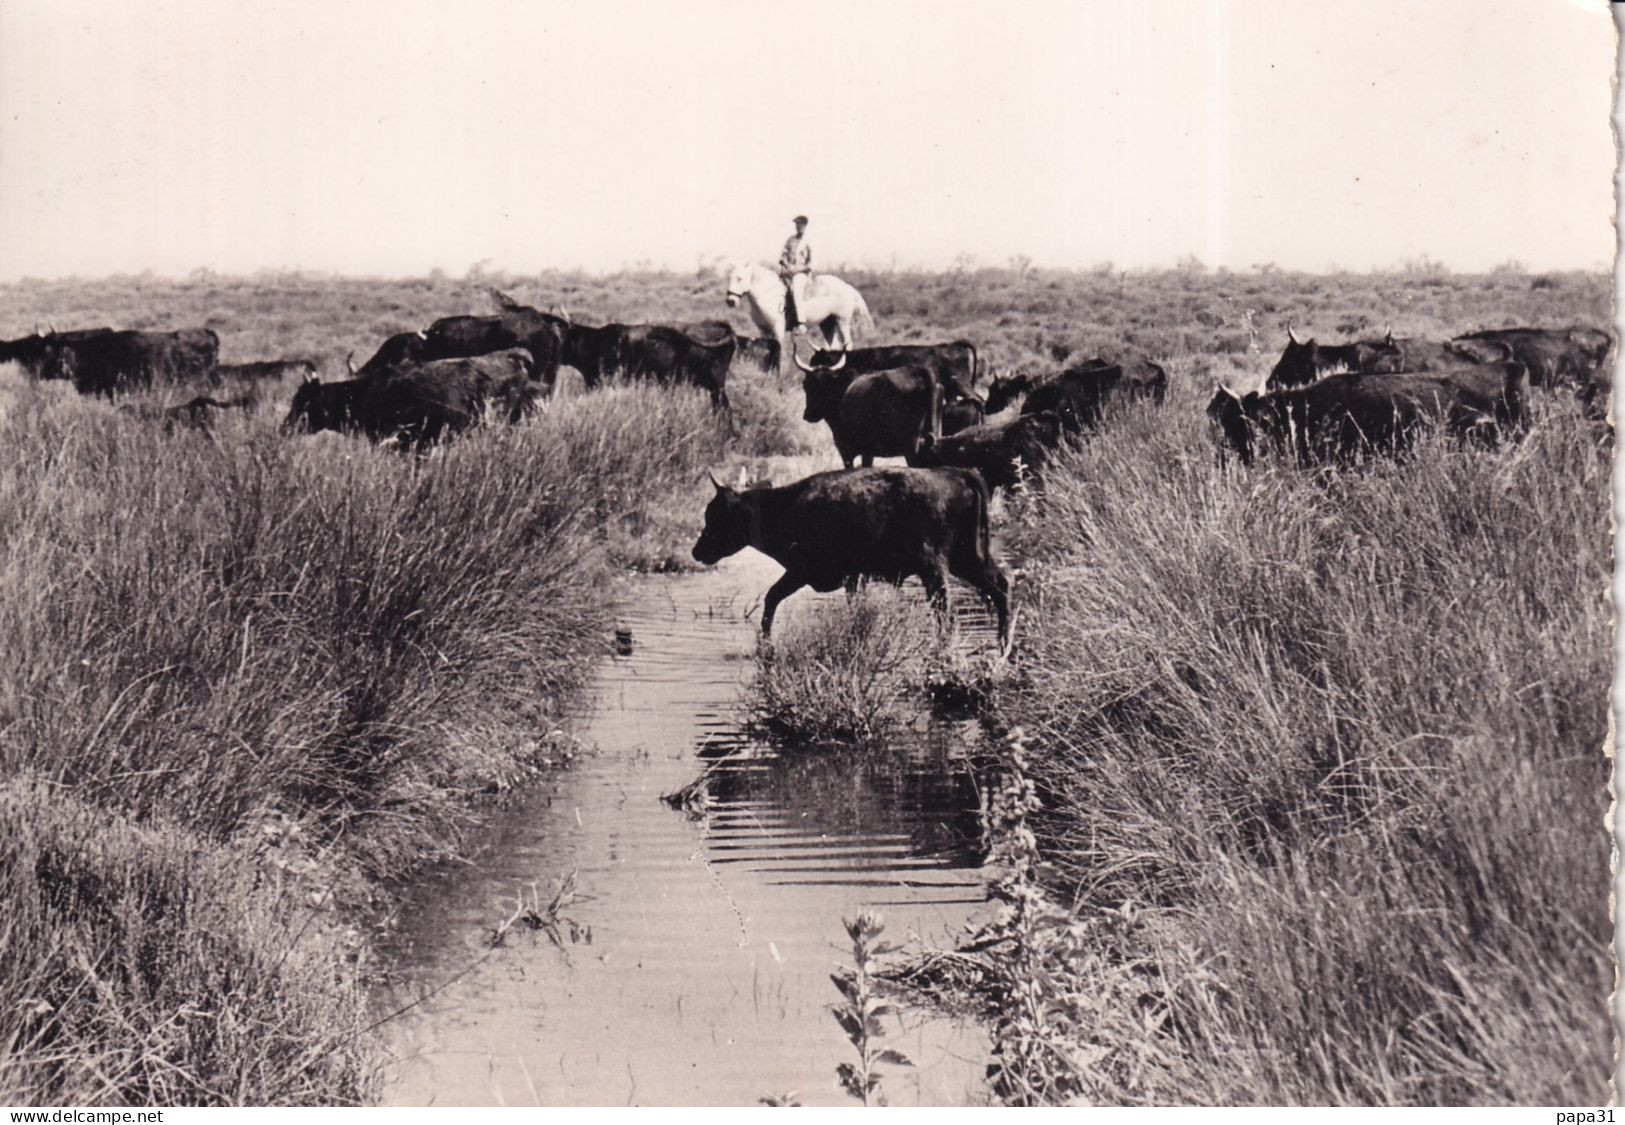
(547, 917)
(861, 1011)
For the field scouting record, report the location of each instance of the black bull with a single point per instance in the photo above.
(421, 404)
(106, 363)
(886, 413)
(464, 337)
(1078, 395)
(1304, 361)
(29, 352)
(698, 354)
(832, 529)
(1003, 451)
(1343, 417)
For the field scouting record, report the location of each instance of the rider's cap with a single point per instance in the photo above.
(799, 219)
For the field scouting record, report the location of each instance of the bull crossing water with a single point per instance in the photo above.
(691, 965)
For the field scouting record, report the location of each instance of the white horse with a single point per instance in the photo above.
(832, 309)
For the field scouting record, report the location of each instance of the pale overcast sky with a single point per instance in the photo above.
(395, 137)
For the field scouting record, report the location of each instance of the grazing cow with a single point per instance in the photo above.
(1078, 395)
(1305, 361)
(420, 404)
(1554, 356)
(832, 529)
(401, 350)
(29, 352)
(516, 326)
(1577, 357)
(1412, 354)
(595, 352)
(1002, 451)
(268, 369)
(105, 363)
(760, 351)
(699, 353)
(1344, 416)
(670, 355)
(954, 366)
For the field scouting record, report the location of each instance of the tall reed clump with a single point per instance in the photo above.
(641, 453)
(244, 677)
(1336, 740)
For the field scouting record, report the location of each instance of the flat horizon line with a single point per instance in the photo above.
(1420, 269)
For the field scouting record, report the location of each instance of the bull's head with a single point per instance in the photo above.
(1299, 363)
(727, 526)
(1004, 388)
(823, 385)
(304, 412)
(1228, 412)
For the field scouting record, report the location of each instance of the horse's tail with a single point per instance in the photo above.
(860, 315)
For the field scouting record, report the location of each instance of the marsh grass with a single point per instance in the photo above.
(1335, 743)
(248, 680)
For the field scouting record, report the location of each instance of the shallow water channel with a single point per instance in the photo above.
(692, 966)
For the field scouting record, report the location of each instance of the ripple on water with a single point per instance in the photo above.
(712, 931)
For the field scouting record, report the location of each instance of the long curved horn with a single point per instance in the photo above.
(838, 365)
(422, 335)
(1291, 335)
(796, 355)
(349, 361)
(720, 486)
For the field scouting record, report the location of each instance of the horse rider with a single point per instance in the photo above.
(795, 268)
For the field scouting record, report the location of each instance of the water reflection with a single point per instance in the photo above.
(841, 810)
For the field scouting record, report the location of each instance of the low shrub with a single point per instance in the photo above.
(848, 671)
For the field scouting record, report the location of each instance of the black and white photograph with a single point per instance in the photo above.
(591, 553)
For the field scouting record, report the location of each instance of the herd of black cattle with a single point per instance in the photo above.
(1321, 403)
